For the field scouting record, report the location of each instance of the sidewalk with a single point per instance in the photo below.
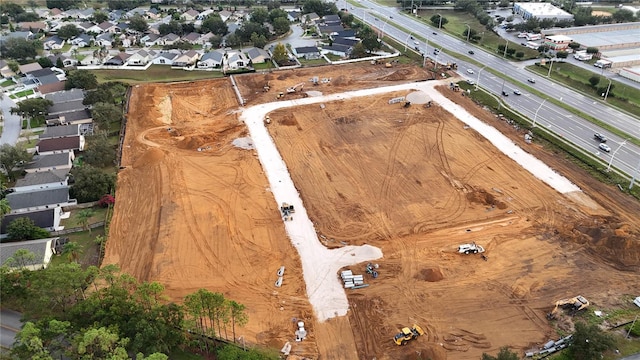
(12, 123)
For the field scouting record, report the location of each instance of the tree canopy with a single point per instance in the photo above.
(589, 342)
(63, 4)
(82, 79)
(90, 183)
(19, 48)
(12, 157)
(24, 228)
(68, 31)
(99, 151)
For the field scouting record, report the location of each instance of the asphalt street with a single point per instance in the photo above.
(9, 325)
(11, 127)
(565, 123)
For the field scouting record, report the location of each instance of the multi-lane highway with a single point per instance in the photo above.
(395, 24)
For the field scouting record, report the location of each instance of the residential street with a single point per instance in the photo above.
(11, 128)
(9, 325)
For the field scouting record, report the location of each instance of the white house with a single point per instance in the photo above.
(28, 201)
(141, 58)
(211, 60)
(43, 180)
(165, 58)
(186, 59)
(105, 40)
(236, 60)
(43, 250)
(150, 39)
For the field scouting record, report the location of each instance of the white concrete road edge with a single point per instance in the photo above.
(320, 265)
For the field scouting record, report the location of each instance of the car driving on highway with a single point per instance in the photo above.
(600, 137)
(517, 92)
(531, 80)
(604, 147)
(470, 71)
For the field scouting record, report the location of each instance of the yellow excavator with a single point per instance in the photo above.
(574, 305)
(407, 334)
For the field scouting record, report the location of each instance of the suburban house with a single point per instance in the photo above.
(5, 71)
(107, 26)
(90, 60)
(205, 38)
(310, 18)
(27, 68)
(337, 49)
(307, 52)
(225, 15)
(105, 40)
(141, 58)
(211, 60)
(43, 76)
(55, 14)
(40, 163)
(186, 59)
(60, 145)
(330, 30)
(42, 248)
(331, 19)
(345, 41)
(190, 15)
(33, 26)
(52, 132)
(165, 58)
(293, 15)
(347, 33)
(53, 43)
(82, 117)
(82, 40)
(168, 39)
(86, 26)
(258, 56)
(80, 14)
(22, 202)
(42, 180)
(150, 39)
(66, 107)
(51, 87)
(236, 60)
(121, 27)
(66, 61)
(192, 38)
(48, 219)
(118, 60)
(74, 94)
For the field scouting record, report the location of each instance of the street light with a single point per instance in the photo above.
(481, 38)
(535, 117)
(436, 60)
(607, 93)
(550, 66)
(478, 80)
(468, 31)
(407, 42)
(440, 22)
(614, 154)
(505, 49)
(382, 30)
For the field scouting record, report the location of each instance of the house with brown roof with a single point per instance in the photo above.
(187, 59)
(60, 145)
(191, 38)
(190, 15)
(55, 14)
(33, 26)
(27, 68)
(118, 60)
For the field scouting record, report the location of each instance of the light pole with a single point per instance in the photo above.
(407, 41)
(535, 117)
(436, 60)
(468, 31)
(635, 175)
(478, 80)
(440, 22)
(614, 154)
(505, 49)
(382, 30)
(550, 66)
(481, 38)
(607, 93)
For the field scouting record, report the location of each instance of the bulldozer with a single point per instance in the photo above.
(574, 305)
(407, 334)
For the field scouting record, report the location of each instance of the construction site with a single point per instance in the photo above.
(427, 240)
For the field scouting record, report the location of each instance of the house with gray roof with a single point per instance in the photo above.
(48, 219)
(42, 180)
(105, 39)
(192, 38)
(43, 249)
(82, 40)
(22, 202)
(53, 43)
(236, 60)
(65, 107)
(165, 58)
(211, 60)
(43, 76)
(74, 94)
(307, 52)
(337, 49)
(150, 39)
(187, 59)
(40, 163)
(60, 131)
(258, 56)
(344, 41)
(73, 117)
(168, 39)
(330, 29)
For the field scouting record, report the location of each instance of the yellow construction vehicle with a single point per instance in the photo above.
(408, 334)
(574, 305)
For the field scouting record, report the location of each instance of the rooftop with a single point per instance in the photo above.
(25, 200)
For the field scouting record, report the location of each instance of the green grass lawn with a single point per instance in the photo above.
(314, 62)
(24, 93)
(98, 215)
(155, 73)
(620, 95)
(263, 66)
(88, 253)
(7, 83)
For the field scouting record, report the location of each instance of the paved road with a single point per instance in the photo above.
(11, 128)
(632, 357)
(567, 124)
(9, 325)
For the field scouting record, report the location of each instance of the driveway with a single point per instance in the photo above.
(12, 123)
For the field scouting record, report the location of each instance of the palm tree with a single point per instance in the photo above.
(83, 218)
(72, 250)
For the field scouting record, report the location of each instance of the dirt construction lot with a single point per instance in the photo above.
(195, 211)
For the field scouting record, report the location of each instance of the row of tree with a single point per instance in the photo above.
(97, 313)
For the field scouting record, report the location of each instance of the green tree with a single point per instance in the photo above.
(105, 114)
(100, 17)
(19, 48)
(259, 16)
(592, 50)
(82, 79)
(138, 23)
(281, 26)
(100, 152)
(504, 354)
(277, 13)
(589, 342)
(230, 352)
(215, 25)
(24, 228)
(319, 7)
(520, 54)
(574, 45)
(280, 54)
(623, 15)
(45, 62)
(435, 20)
(21, 259)
(5, 208)
(238, 316)
(72, 251)
(12, 157)
(68, 31)
(100, 343)
(91, 183)
(29, 344)
(369, 39)
(258, 41)
(594, 80)
(63, 4)
(84, 216)
(562, 54)
(32, 108)
(11, 9)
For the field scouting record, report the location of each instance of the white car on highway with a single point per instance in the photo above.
(470, 71)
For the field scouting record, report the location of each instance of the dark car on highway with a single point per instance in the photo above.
(600, 137)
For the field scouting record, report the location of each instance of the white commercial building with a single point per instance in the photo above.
(541, 11)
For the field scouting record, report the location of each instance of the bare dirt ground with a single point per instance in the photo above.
(412, 181)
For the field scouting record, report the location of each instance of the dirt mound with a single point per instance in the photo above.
(481, 196)
(434, 352)
(341, 81)
(608, 238)
(430, 274)
(400, 74)
(150, 157)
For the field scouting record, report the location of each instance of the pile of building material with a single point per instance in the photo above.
(352, 281)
